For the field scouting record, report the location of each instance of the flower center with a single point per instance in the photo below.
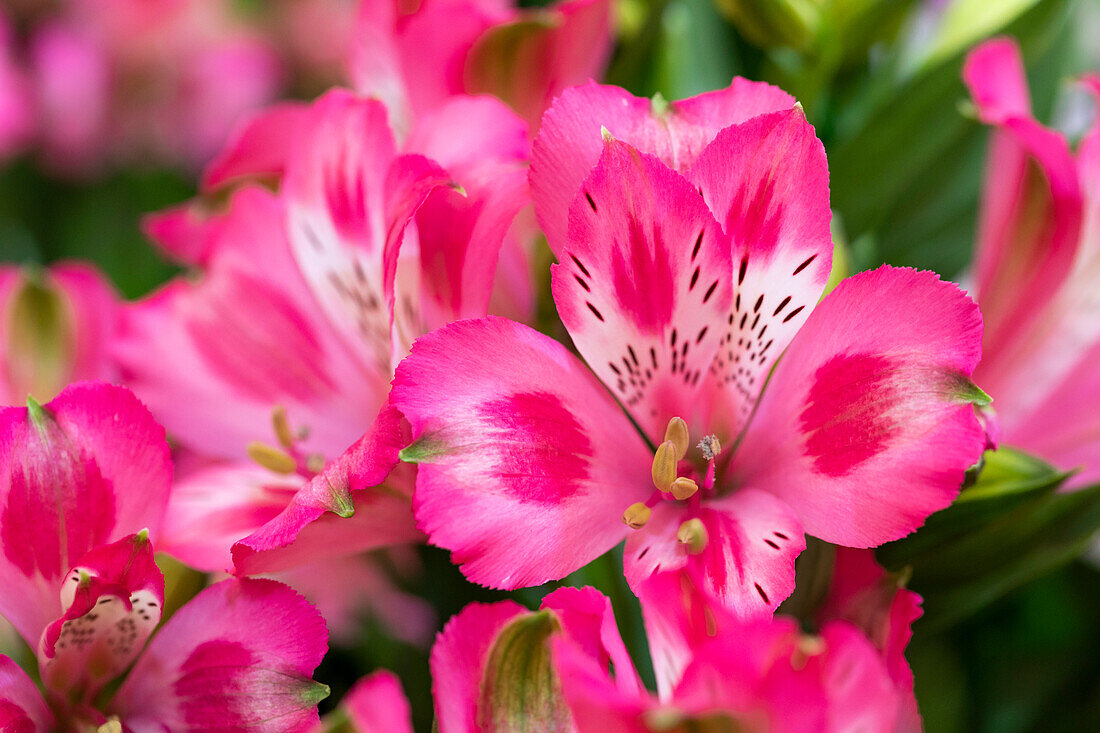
(289, 458)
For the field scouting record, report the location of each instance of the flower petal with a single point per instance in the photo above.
(767, 182)
(259, 145)
(89, 467)
(22, 709)
(240, 654)
(569, 144)
(644, 284)
(525, 462)
(866, 426)
(376, 704)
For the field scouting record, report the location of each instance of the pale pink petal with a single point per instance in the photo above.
(376, 704)
(525, 462)
(213, 358)
(767, 182)
(866, 426)
(569, 142)
(861, 695)
(22, 709)
(240, 654)
(644, 284)
(259, 145)
(748, 562)
(358, 502)
(530, 60)
(87, 468)
(113, 599)
(214, 505)
(458, 662)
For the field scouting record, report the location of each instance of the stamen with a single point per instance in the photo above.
(664, 466)
(677, 432)
(315, 463)
(636, 515)
(693, 536)
(710, 446)
(282, 427)
(684, 488)
(271, 458)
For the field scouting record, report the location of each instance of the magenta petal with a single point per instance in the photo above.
(89, 467)
(767, 182)
(259, 145)
(353, 505)
(458, 662)
(569, 143)
(376, 704)
(113, 600)
(994, 72)
(240, 654)
(644, 284)
(22, 709)
(866, 426)
(183, 232)
(525, 462)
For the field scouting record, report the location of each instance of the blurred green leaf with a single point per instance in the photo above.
(1009, 527)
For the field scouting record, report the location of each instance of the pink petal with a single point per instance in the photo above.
(767, 182)
(595, 701)
(458, 662)
(258, 146)
(748, 562)
(354, 505)
(184, 233)
(113, 600)
(376, 704)
(866, 426)
(350, 199)
(860, 693)
(93, 468)
(22, 709)
(213, 505)
(994, 72)
(248, 336)
(569, 143)
(240, 654)
(531, 60)
(525, 462)
(644, 284)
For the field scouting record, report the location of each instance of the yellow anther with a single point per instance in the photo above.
(111, 726)
(271, 458)
(664, 466)
(636, 515)
(807, 647)
(677, 432)
(684, 488)
(693, 536)
(282, 427)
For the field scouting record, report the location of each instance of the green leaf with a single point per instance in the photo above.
(1009, 527)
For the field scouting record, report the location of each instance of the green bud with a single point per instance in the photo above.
(40, 339)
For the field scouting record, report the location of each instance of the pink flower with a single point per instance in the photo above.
(1038, 237)
(78, 478)
(55, 327)
(365, 246)
(15, 103)
(414, 60)
(681, 291)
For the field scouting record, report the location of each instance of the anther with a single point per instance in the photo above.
(677, 432)
(684, 488)
(282, 427)
(636, 515)
(271, 458)
(693, 536)
(315, 463)
(664, 466)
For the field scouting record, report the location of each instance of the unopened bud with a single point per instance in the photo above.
(693, 536)
(664, 466)
(636, 515)
(271, 458)
(683, 488)
(677, 432)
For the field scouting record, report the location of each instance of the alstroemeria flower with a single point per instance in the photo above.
(717, 672)
(415, 60)
(1039, 233)
(55, 328)
(241, 653)
(84, 470)
(364, 246)
(681, 291)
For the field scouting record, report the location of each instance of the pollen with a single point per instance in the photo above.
(636, 515)
(711, 447)
(693, 536)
